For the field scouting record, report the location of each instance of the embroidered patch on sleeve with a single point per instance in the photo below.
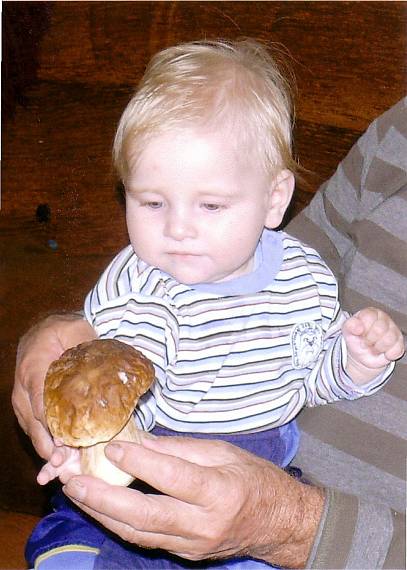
(306, 343)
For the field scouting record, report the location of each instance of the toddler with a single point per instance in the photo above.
(241, 321)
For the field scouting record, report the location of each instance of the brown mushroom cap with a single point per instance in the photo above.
(91, 391)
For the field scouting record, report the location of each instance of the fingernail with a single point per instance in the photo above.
(114, 451)
(75, 489)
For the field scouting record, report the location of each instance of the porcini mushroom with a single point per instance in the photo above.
(90, 394)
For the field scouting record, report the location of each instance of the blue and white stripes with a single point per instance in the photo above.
(224, 361)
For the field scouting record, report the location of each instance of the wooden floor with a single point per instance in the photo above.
(15, 528)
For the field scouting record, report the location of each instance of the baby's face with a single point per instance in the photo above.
(195, 207)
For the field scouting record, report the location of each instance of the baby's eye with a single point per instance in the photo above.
(211, 207)
(153, 204)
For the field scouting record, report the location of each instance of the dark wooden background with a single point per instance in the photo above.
(69, 68)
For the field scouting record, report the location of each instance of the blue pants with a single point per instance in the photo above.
(67, 525)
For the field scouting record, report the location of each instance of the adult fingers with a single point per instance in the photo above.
(169, 474)
(151, 521)
(37, 348)
(37, 405)
(209, 453)
(41, 439)
(34, 428)
(19, 400)
(74, 330)
(124, 510)
(31, 368)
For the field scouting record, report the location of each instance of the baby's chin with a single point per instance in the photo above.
(191, 277)
(206, 279)
(190, 280)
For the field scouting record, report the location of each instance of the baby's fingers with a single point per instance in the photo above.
(396, 349)
(353, 326)
(47, 474)
(381, 334)
(376, 324)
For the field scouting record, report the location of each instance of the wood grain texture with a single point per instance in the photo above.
(71, 80)
(15, 528)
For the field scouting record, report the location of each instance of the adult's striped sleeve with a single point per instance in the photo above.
(357, 450)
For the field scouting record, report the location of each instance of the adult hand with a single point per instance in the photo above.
(218, 501)
(42, 344)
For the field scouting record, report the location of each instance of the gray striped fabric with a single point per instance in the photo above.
(358, 223)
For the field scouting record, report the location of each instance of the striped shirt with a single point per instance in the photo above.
(239, 356)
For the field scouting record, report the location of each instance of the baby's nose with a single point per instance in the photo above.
(180, 225)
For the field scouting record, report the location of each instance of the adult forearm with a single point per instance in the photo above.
(299, 520)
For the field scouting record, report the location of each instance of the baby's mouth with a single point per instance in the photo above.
(185, 254)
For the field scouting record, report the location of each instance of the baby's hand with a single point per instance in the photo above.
(63, 463)
(373, 340)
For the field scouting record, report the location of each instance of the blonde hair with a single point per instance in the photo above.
(212, 83)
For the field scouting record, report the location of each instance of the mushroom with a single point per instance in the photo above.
(90, 394)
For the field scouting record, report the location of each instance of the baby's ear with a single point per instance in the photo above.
(281, 191)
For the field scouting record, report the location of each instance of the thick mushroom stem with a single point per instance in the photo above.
(94, 461)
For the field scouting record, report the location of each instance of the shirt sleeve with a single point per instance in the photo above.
(357, 221)
(357, 533)
(116, 281)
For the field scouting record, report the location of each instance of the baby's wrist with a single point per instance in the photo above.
(359, 372)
